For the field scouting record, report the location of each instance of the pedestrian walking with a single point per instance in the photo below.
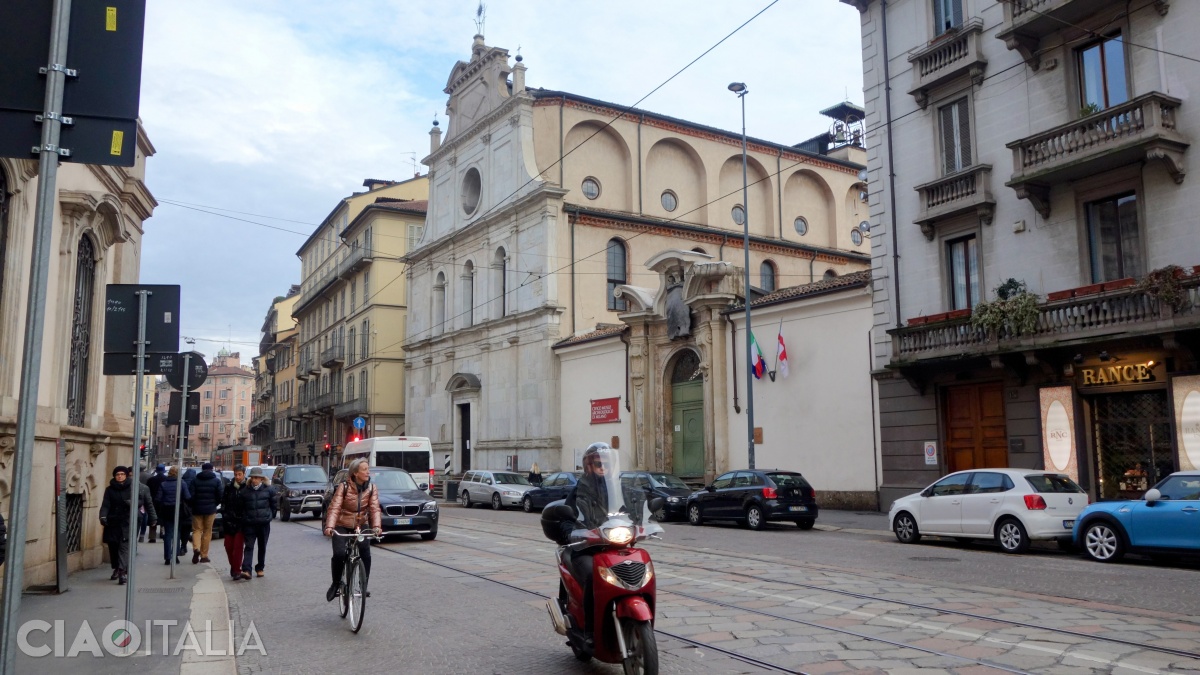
(152, 483)
(259, 504)
(207, 490)
(231, 521)
(535, 475)
(143, 520)
(166, 496)
(185, 526)
(114, 516)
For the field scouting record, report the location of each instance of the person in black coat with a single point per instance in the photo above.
(152, 483)
(207, 490)
(185, 524)
(231, 521)
(114, 516)
(258, 503)
(166, 496)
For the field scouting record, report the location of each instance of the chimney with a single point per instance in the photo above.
(519, 76)
(435, 138)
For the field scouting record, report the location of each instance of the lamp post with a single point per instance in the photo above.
(740, 89)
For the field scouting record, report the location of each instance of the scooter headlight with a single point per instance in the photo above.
(618, 535)
(607, 575)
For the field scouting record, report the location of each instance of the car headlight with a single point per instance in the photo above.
(511, 493)
(618, 535)
(673, 500)
(293, 493)
(429, 506)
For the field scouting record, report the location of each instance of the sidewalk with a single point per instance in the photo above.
(854, 522)
(169, 606)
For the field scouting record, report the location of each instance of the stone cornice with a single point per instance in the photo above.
(543, 191)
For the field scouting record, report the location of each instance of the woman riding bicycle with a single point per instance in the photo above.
(354, 502)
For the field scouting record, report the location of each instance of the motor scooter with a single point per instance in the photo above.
(621, 625)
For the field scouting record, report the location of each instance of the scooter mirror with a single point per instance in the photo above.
(656, 504)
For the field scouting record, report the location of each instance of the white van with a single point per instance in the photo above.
(414, 454)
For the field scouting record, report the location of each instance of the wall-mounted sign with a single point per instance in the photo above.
(1186, 398)
(931, 458)
(1129, 372)
(606, 410)
(1058, 430)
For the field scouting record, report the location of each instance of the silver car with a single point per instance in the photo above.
(499, 488)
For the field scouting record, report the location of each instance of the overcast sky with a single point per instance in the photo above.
(271, 111)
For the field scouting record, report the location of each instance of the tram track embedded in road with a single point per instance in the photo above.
(913, 605)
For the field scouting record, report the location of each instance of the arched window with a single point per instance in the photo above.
(617, 274)
(439, 304)
(81, 332)
(699, 250)
(766, 274)
(687, 368)
(366, 337)
(830, 274)
(468, 294)
(500, 282)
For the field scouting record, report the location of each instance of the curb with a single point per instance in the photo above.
(210, 604)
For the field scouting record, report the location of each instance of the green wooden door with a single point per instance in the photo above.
(687, 423)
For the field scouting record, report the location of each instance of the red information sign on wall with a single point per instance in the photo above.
(606, 410)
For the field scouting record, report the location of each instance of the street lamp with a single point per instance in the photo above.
(740, 89)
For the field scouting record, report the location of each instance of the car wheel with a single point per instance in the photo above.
(694, 515)
(285, 515)
(429, 536)
(465, 499)
(661, 515)
(754, 517)
(527, 505)
(1102, 543)
(497, 505)
(905, 527)
(1011, 536)
(806, 524)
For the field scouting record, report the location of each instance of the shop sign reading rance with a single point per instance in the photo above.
(1138, 373)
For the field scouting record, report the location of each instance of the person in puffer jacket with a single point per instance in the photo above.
(207, 490)
(354, 505)
(258, 503)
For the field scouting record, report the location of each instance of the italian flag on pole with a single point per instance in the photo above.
(757, 364)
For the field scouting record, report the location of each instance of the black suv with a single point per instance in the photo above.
(753, 497)
(301, 488)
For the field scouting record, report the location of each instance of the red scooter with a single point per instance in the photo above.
(622, 587)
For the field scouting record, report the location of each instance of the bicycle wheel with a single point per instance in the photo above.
(344, 600)
(358, 595)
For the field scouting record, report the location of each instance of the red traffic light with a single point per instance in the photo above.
(356, 439)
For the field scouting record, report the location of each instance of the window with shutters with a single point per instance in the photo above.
(617, 274)
(350, 347)
(963, 256)
(353, 294)
(366, 334)
(954, 120)
(414, 235)
(362, 383)
(947, 15)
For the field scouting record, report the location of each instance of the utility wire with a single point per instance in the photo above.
(1022, 5)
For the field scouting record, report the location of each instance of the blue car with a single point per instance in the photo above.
(1166, 522)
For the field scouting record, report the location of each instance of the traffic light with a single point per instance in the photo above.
(142, 451)
(357, 439)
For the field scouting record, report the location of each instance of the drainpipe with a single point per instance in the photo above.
(812, 260)
(571, 217)
(887, 79)
(733, 359)
(779, 188)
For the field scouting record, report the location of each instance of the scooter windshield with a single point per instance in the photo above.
(618, 514)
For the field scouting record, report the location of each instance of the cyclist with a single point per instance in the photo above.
(589, 499)
(354, 503)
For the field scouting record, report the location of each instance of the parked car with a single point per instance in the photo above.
(754, 497)
(407, 509)
(672, 489)
(554, 487)
(499, 488)
(1012, 506)
(1166, 522)
(300, 488)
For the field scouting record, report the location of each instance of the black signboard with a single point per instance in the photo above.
(174, 372)
(193, 408)
(121, 318)
(126, 364)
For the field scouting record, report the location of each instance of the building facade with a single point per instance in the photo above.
(274, 381)
(352, 297)
(543, 204)
(1037, 146)
(226, 400)
(99, 212)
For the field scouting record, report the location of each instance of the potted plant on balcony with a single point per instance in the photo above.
(1164, 286)
(1014, 311)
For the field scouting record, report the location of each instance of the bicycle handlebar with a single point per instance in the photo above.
(357, 534)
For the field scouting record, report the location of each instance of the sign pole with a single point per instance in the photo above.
(35, 320)
(135, 469)
(183, 434)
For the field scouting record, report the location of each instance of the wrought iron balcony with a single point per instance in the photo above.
(1026, 22)
(949, 56)
(333, 356)
(966, 191)
(1103, 315)
(352, 407)
(1140, 129)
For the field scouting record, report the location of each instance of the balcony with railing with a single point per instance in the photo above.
(950, 55)
(1107, 311)
(1138, 130)
(303, 367)
(325, 402)
(358, 258)
(335, 355)
(962, 192)
(351, 407)
(1026, 22)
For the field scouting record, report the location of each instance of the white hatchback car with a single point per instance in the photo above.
(1012, 506)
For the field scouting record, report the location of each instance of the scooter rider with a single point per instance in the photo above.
(589, 499)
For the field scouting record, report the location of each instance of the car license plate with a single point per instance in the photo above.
(797, 508)
(1068, 524)
(402, 521)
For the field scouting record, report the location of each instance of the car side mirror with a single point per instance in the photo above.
(423, 486)
(926, 492)
(1153, 495)
(710, 488)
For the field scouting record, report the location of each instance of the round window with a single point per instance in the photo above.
(472, 188)
(591, 188)
(856, 237)
(801, 226)
(739, 214)
(669, 201)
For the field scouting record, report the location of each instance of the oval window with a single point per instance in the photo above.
(591, 188)
(801, 226)
(856, 237)
(739, 214)
(669, 201)
(472, 188)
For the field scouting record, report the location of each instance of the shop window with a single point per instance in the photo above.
(1103, 82)
(1114, 240)
(963, 258)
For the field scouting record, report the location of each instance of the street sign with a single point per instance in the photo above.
(126, 364)
(359, 423)
(174, 372)
(121, 318)
(193, 407)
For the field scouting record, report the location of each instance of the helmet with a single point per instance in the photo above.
(597, 451)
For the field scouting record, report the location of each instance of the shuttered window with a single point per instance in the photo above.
(954, 120)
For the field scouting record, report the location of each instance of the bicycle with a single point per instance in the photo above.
(354, 580)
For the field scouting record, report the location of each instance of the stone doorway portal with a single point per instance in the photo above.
(687, 415)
